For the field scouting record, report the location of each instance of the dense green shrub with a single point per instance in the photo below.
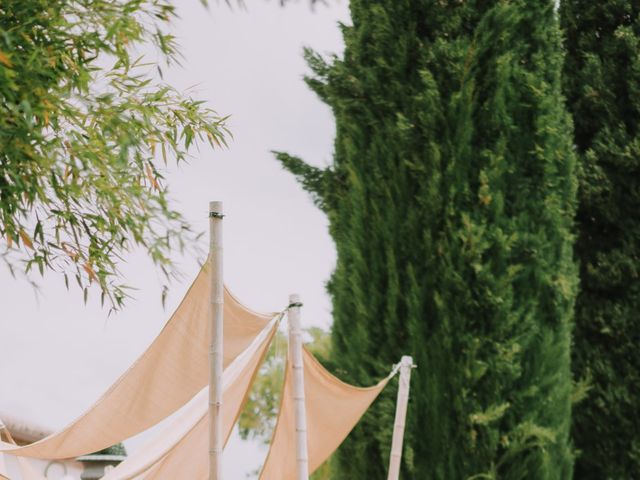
(602, 84)
(450, 200)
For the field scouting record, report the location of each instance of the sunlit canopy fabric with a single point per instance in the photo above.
(27, 472)
(3, 469)
(189, 430)
(4, 475)
(168, 374)
(333, 409)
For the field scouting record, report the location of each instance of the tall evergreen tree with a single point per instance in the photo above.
(602, 86)
(450, 200)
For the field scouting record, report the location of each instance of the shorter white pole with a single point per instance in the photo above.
(406, 364)
(295, 354)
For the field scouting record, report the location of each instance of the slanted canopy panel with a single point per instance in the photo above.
(333, 409)
(168, 374)
(3, 468)
(183, 445)
(27, 472)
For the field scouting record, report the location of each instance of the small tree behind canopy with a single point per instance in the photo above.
(82, 122)
(602, 84)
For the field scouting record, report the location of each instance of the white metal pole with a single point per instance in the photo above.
(295, 354)
(406, 364)
(215, 352)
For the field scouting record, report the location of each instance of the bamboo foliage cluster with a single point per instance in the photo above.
(84, 130)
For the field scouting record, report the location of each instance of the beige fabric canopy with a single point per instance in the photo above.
(168, 374)
(333, 409)
(325, 395)
(189, 430)
(4, 475)
(27, 472)
(3, 469)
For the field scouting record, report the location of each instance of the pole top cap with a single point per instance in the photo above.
(294, 298)
(215, 207)
(406, 360)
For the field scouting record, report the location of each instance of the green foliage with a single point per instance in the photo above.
(82, 124)
(602, 85)
(325, 471)
(117, 449)
(450, 200)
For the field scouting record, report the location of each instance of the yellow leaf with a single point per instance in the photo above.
(151, 178)
(214, 139)
(5, 60)
(90, 272)
(70, 251)
(25, 239)
(9, 241)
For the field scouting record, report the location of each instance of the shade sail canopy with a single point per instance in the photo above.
(27, 472)
(333, 409)
(3, 468)
(167, 375)
(188, 432)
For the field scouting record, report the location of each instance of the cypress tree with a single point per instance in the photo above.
(602, 72)
(450, 201)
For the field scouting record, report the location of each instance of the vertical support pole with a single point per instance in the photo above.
(406, 364)
(295, 354)
(3, 467)
(215, 351)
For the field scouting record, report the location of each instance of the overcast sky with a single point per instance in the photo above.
(58, 356)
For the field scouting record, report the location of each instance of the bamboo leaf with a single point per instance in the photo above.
(4, 59)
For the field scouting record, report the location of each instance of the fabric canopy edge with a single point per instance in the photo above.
(15, 450)
(178, 447)
(308, 355)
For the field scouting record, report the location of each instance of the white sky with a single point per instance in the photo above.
(58, 356)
